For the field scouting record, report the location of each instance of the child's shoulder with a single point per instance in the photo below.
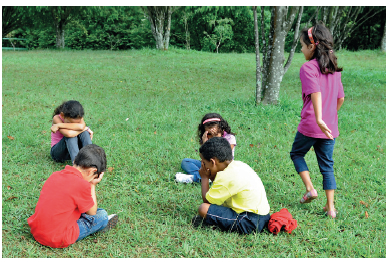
(311, 65)
(230, 137)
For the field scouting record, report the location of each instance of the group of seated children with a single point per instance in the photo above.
(67, 211)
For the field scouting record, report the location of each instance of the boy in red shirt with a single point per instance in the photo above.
(67, 207)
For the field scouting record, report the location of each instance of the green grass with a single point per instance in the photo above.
(164, 95)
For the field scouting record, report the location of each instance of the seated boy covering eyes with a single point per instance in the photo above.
(67, 206)
(237, 201)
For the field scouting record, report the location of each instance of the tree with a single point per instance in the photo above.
(58, 17)
(257, 58)
(273, 69)
(222, 32)
(160, 21)
(342, 21)
(13, 18)
(383, 41)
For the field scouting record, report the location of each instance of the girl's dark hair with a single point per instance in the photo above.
(217, 147)
(324, 52)
(71, 109)
(222, 125)
(91, 156)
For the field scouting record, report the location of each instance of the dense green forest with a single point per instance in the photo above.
(196, 28)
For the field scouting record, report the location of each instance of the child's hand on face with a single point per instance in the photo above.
(213, 132)
(54, 128)
(96, 179)
(204, 172)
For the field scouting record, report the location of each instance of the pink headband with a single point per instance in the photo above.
(311, 37)
(211, 120)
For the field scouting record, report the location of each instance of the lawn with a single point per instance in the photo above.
(144, 107)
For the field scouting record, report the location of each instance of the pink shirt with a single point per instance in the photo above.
(331, 88)
(230, 138)
(57, 136)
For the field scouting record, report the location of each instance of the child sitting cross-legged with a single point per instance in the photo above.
(67, 207)
(237, 201)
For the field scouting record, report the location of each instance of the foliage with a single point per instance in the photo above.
(13, 18)
(221, 35)
(126, 27)
(368, 35)
(144, 106)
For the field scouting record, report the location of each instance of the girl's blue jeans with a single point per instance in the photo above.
(92, 224)
(324, 149)
(67, 148)
(192, 167)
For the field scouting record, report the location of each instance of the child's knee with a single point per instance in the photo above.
(203, 209)
(102, 213)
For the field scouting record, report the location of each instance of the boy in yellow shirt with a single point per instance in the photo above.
(237, 199)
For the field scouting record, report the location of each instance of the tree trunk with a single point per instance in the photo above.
(60, 35)
(273, 70)
(160, 21)
(383, 41)
(258, 92)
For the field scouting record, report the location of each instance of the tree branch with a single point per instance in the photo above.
(295, 40)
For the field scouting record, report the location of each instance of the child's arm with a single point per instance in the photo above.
(340, 103)
(68, 129)
(93, 183)
(205, 175)
(316, 102)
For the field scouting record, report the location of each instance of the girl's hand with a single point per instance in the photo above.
(324, 128)
(96, 179)
(90, 133)
(204, 172)
(205, 137)
(54, 128)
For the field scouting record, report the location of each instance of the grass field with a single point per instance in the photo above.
(144, 107)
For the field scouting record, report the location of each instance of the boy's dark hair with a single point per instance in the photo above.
(222, 125)
(324, 52)
(72, 109)
(91, 156)
(216, 147)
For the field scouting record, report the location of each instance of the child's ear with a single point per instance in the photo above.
(213, 160)
(62, 115)
(312, 47)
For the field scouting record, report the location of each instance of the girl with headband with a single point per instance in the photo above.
(323, 96)
(211, 125)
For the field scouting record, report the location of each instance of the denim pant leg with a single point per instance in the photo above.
(301, 146)
(91, 224)
(74, 144)
(192, 167)
(324, 149)
(59, 152)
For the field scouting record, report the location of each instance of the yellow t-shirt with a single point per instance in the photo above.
(240, 188)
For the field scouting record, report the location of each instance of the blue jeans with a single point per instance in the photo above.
(228, 220)
(324, 149)
(91, 224)
(67, 148)
(192, 167)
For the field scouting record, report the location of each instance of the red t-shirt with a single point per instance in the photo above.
(64, 197)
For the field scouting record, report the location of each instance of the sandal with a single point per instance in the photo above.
(330, 213)
(308, 197)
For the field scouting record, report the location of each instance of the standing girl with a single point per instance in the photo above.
(212, 125)
(323, 95)
(69, 132)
